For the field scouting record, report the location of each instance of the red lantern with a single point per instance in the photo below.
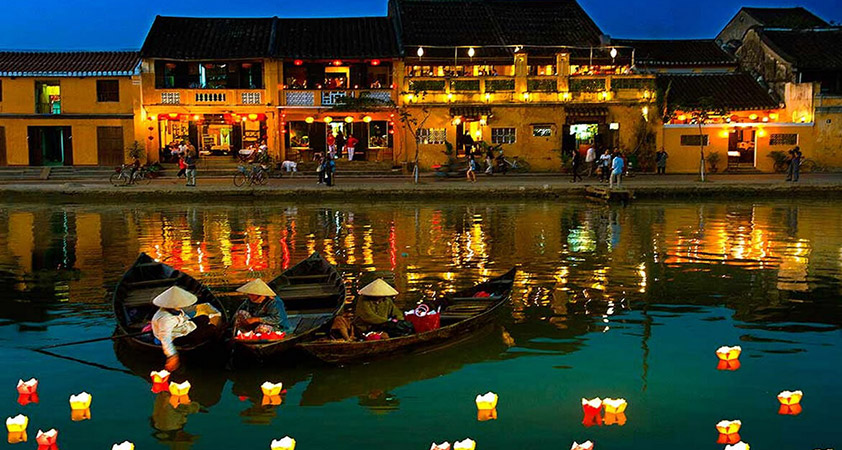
(298, 62)
(246, 65)
(375, 62)
(337, 62)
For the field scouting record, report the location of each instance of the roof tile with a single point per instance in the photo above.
(734, 91)
(68, 63)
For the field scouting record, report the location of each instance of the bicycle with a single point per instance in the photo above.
(807, 166)
(123, 176)
(257, 174)
(516, 164)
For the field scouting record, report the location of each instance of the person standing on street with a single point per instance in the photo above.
(472, 168)
(617, 165)
(340, 145)
(190, 161)
(351, 145)
(605, 166)
(577, 162)
(590, 160)
(797, 158)
(661, 161)
(489, 161)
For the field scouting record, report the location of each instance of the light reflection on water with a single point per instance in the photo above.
(609, 301)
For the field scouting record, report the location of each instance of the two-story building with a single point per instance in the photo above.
(68, 108)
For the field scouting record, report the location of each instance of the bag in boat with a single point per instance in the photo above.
(423, 319)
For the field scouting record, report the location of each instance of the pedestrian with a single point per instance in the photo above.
(791, 163)
(576, 163)
(797, 158)
(320, 167)
(340, 145)
(182, 166)
(190, 161)
(472, 168)
(330, 171)
(590, 160)
(617, 165)
(661, 161)
(331, 143)
(605, 166)
(351, 145)
(489, 160)
(468, 142)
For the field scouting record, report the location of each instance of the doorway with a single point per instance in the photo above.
(50, 146)
(109, 143)
(742, 144)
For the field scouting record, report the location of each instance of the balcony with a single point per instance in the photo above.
(210, 97)
(322, 97)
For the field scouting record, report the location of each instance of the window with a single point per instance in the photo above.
(694, 140)
(783, 139)
(432, 135)
(502, 135)
(299, 135)
(107, 90)
(378, 134)
(208, 75)
(47, 97)
(542, 130)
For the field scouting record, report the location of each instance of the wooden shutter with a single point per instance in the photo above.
(34, 138)
(568, 141)
(109, 141)
(318, 137)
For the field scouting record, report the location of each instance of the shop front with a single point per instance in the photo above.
(214, 135)
(305, 136)
(589, 127)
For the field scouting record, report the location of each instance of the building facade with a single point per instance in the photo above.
(68, 108)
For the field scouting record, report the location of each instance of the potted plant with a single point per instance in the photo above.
(713, 159)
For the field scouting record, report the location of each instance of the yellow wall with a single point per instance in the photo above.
(78, 95)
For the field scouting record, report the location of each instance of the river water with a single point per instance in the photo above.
(609, 301)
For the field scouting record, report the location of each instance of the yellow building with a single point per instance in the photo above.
(68, 108)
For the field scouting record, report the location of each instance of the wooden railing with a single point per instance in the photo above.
(330, 97)
(211, 96)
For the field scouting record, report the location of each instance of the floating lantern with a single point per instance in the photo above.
(80, 401)
(467, 444)
(614, 419)
(162, 376)
(484, 415)
(271, 389)
(487, 402)
(310, 119)
(726, 353)
(729, 426)
(180, 389)
(592, 406)
(28, 387)
(47, 439)
(738, 446)
(615, 405)
(125, 445)
(728, 438)
(443, 446)
(16, 426)
(287, 443)
(587, 445)
(728, 365)
(790, 398)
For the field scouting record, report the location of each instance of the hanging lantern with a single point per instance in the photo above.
(467, 444)
(420, 52)
(28, 387)
(287, 443)
(349, 119)
(173, 116)
(298, 62)
(16, 426)
(613, 53)
(587, 445)
(328, 119)
(337, 62)
(125, 445)
(487, 401)
(449, 97)
(471, 52)
(614, 405)
(773, 116)
(310, 119)
(443, 446)
(367, 119)
(197, 117)
(47, 439)
(269, 388)
(253, 116)
(726, 353)
(375, 62)
(752, 116)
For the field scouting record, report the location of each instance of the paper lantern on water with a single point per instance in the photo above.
(614, 419)
(487, 402)
(467, 444)
(592, 406)
(160, 377)
(16, 426)
(80, 401)
(28, 387)
(726, 353)
(179, 389)
(271, 389)
(286, 443)
(484, 415)
(443, 446)
(125, 445)
(790, 397)
(587, 445)
(47, 440)
(614, 405)
(738, 446)
(731, 365)
(729, 426)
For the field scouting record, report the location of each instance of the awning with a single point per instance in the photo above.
(470, 112)
(583, 111)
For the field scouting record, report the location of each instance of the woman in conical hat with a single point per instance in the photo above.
(263, 312)
(173, 327)
(376, 311)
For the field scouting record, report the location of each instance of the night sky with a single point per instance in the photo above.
(108, 25)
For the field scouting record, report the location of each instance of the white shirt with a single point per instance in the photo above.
(167, 326)
(591, 155)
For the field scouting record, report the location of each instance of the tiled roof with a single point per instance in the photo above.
(786, 17)
(734, 91)
(353, 37)
(686, 52)
(807, 49)
(209, 38)
(493, 23)
(68, 64)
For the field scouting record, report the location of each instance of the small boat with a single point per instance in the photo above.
(462, 315)
(313, 293)
(132, 303)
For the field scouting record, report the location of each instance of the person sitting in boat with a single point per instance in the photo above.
(376, 311)
(173, 327)
(263, 312)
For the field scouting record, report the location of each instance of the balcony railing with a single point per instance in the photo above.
(211, 97)
(321, 97)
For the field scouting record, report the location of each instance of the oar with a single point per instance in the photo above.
(88, 341)
(88, 363)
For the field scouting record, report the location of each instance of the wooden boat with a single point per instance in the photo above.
(313, 293)
(462, 315)
(133, 308)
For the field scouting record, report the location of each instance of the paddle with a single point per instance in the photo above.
(88, 341)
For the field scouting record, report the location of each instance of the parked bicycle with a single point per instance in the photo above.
(807, 166)
(124, 176)
(515, 164)
(255, 174)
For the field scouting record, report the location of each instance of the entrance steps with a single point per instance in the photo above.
(20, 173)
(70, 173)
(214, 168)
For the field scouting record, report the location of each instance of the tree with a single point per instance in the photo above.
(414, 125)
(699, 112)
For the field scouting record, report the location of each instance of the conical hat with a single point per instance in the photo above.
(378, 288)
(257, 287)
(175, 297)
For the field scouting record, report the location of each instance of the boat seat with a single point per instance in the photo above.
(305, 286)
(143, 297)
(310, 321)
(312, 291)
(151, 283)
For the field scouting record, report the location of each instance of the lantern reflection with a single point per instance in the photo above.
(271, 400)
(728, 365)
(25, 399)
(484, 415)
(789, 410)
(614, 419)
(16, 426)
